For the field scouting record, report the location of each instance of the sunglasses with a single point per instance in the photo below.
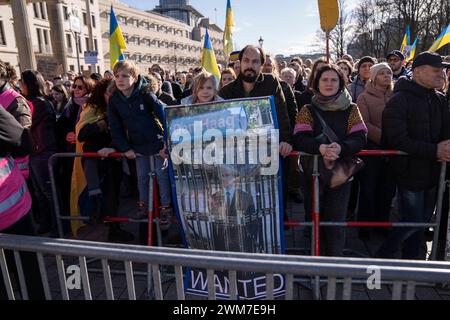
(74, 86)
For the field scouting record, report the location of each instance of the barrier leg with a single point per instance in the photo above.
(440, 198)
(51, 162)
(316, 223)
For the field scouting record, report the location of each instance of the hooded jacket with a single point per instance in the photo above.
(415, 120)
(135, 122)
(356, 88)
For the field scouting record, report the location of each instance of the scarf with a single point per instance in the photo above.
(339, 102)
(81, 100)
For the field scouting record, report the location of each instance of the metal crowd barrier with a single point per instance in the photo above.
(400, 273)
(315, 224)
(153, 213)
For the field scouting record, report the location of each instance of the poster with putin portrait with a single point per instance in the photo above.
(226, 181)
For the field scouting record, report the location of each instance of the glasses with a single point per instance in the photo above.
(74, 86)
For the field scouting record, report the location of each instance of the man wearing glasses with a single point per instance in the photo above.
(395, 59)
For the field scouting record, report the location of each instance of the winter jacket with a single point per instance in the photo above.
(371, 103)
(403, 73)
(266, 85)
(348, 126)
(291, 102)
(166, 98)
(135, 122)
(14, 139)
(96, 135)
(19, 108)
(356, 88)
(43, 128)
(415, 120)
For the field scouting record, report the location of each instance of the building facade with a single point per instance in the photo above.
(53, 36)
(154, 38)
(49, 35)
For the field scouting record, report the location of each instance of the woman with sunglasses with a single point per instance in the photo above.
(80, 91)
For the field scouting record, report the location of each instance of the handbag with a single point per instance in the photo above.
(332, 173)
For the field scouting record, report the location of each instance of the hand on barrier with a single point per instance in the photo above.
(285, 149)
(130, 154)
(105, 152)
(163, 153)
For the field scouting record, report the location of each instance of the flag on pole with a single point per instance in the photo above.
(228, 32)
(209, 61)
(412, 52)
(442, 40)
(406, 39)
(116, 40)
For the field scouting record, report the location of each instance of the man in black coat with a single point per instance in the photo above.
(417, 121)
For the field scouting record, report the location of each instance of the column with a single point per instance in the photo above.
(58, 36)
(23, 35)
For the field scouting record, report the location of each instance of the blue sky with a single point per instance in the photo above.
(287, 26)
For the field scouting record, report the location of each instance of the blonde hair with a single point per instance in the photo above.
(199, 81)
(126, 66)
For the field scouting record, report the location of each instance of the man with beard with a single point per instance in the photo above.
(395, 60)
(251, 82)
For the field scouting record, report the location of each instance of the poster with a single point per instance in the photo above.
(226, 181)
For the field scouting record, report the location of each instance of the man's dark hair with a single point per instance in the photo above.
(96, 76)
(326, 68)
(262, 54)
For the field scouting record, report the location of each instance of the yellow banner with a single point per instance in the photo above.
(329, 14)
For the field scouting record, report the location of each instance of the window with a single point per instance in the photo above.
(2, 35)
(69, 42)
(46, 41)
(93, 21)
(42, 7)
(65, 13)
(84, 18)
(35, 10)
(39, 38)
(79, 45)
(95, 45)
(87, 43)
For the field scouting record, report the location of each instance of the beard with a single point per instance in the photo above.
(249, 76)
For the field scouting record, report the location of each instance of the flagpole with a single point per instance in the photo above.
(327, 34)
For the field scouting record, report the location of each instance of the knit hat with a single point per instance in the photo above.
(377, 68)
(366, 59)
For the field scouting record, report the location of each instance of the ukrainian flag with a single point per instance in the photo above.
(413, 51)
(228, 32)
(209, 61)
(116, 41)
(406, 39)
(442, 40)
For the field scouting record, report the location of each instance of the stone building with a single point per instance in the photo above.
(40, 35)
(154, 37)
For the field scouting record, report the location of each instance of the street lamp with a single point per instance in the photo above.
(261, 41)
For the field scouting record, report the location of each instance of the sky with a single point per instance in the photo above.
(287, 26)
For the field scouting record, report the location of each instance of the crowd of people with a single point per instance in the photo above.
(333, 109)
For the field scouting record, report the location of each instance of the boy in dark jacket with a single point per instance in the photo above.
(135, 121)
(417, 121)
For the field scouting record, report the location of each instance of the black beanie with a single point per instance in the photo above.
(366, 59)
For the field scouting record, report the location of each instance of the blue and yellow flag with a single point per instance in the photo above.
(442, 40)
(209, 61)
(116, 41)
(406, 39)
(228, 32)
(413, 51)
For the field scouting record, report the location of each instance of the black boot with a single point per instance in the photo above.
(116, 234)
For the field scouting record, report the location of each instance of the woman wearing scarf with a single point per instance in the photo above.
(334, 104)
(80, 92)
